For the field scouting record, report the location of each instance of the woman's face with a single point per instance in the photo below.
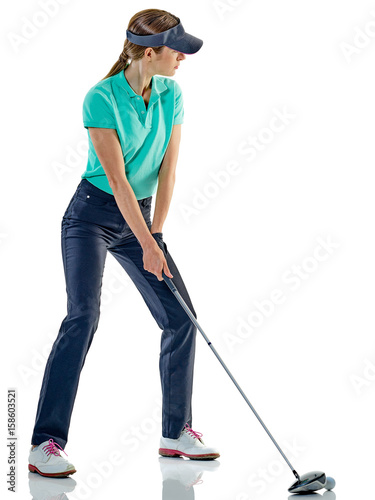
(167, 61)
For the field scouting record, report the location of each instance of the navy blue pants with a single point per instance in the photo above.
(91, 226)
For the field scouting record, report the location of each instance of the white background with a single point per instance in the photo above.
(309, 367)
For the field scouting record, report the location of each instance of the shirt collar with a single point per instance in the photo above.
(157, 86)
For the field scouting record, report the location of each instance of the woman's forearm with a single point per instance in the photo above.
(128, 206)
(164, 193)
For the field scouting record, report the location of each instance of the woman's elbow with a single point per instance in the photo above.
(117, 182)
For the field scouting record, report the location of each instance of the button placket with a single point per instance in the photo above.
(141, 108)
(145, 114)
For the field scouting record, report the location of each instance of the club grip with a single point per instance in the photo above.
(169, 282)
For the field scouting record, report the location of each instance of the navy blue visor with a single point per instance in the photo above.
(175, 38)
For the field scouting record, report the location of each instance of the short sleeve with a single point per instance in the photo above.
(98, 110)
(178, 106)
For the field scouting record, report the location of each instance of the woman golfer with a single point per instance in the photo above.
(133, 118)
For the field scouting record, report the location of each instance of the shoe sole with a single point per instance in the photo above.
(165, 452)
(32, 468)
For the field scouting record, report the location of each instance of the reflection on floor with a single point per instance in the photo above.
(180, 475)
(179, 478)
(327, 495)
(48, 488)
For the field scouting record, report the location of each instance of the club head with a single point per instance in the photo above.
(312, 481)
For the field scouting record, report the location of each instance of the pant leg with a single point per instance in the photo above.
(84, 252)
(92, 222)
(178, 338)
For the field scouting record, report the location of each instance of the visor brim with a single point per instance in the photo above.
(189, 44)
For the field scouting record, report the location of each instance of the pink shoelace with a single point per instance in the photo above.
(197, 481)
(51, 448)
(195, 434)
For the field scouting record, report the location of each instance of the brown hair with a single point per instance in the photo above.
(144, 22)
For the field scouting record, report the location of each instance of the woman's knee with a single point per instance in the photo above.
(78, 326)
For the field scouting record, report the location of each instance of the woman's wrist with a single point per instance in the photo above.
(147, 241)
(156, 229)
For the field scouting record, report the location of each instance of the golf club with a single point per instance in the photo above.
(312, 481)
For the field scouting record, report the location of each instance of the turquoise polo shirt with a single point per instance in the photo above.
(144, 133)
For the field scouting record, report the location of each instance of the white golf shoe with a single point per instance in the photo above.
(47, 461)
(189, 445)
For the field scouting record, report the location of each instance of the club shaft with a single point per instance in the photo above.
(193, 319)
